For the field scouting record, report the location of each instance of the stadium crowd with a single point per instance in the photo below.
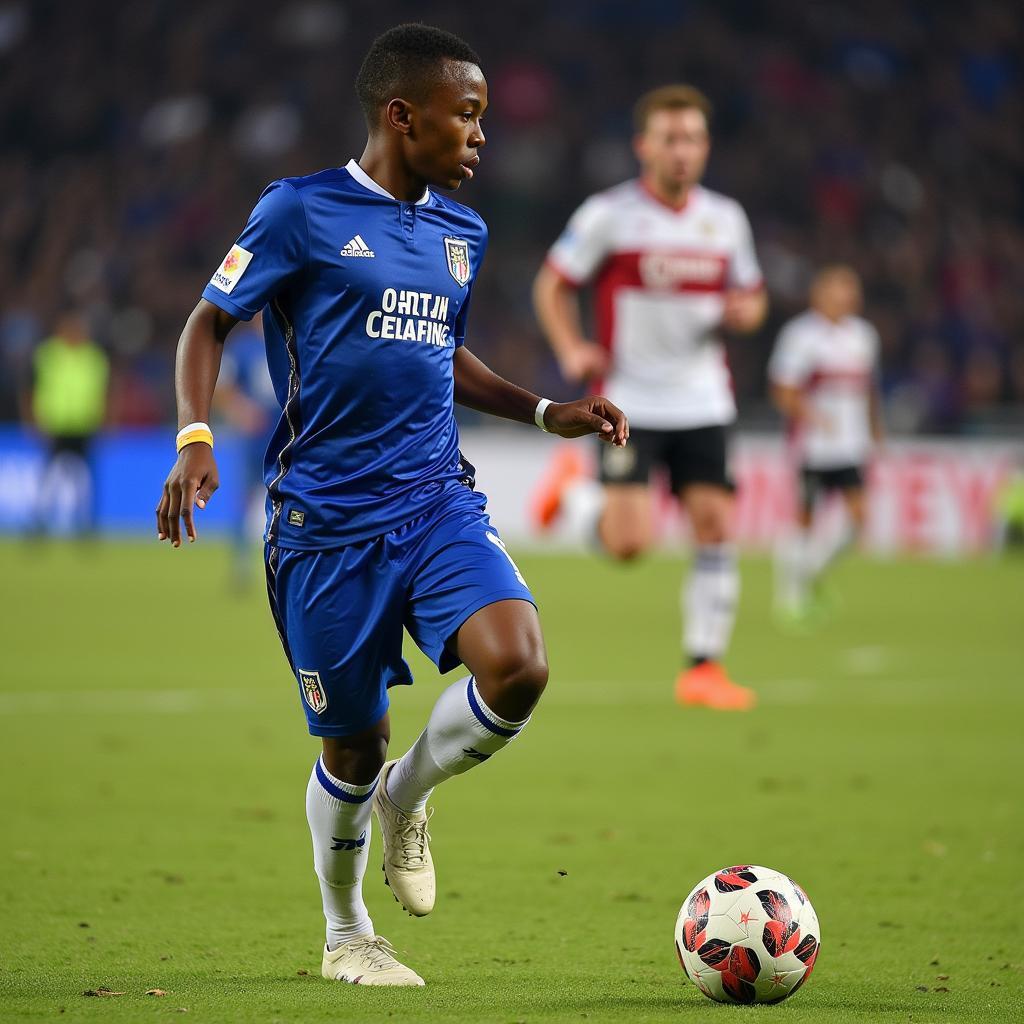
(885, 134)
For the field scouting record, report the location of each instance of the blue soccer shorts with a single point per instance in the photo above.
(340, 611)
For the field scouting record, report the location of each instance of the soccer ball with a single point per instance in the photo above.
(747, 934)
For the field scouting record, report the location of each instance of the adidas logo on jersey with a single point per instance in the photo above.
(357, 247)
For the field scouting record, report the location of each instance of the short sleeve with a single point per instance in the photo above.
(459, 332)
(272, 248)
(790, 363)
(744, 269)
(585, 243)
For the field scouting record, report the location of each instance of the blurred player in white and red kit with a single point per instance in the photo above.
(671, 263)
(822, 374)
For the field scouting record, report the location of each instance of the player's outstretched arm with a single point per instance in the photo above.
(193, 478)
(745, 310)
(478, 387)
(557, 307)
(875, 414)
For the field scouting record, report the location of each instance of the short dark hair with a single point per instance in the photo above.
(404, 61)
(669, 97)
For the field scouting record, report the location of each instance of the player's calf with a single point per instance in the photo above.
(472, 720)
(463, 732)
(625, 528)
(338, 813)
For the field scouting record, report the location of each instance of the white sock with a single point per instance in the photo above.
(709, 601)
(339, 821)
(582, 505)
(825, 547)
(462, 732)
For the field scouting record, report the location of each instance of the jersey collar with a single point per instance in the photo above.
(831, 324)
(649, 192)
(368, 183)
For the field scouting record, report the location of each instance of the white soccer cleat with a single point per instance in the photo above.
(368, 960)
(408, 867)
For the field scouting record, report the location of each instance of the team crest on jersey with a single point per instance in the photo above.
(457, 252)
(313, 691)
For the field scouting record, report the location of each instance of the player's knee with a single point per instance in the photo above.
(518, 677)
(527, 679)
(355, 759)
(711, 528)
(626, 550)
(624, 545)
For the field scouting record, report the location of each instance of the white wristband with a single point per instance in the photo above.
(189, 427)
(538, 414)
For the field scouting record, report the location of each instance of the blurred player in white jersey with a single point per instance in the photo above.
(671, 264)
(822, 375)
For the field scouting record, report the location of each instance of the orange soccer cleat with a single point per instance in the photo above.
(566, 467)
(707, 686)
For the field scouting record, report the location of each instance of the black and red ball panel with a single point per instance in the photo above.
(715, 953)
(696, 920)
(738, 989)
(744, 963)
(738, 877)
(780, 937)
(775, 905)
(807, 950)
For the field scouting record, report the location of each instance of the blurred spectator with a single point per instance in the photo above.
(1009, 513)
(885, 135)
(68, 406)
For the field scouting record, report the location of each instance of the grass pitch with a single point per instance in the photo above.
(154, 760)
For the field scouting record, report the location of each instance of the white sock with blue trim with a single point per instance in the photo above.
(462, 732)
(339, 821)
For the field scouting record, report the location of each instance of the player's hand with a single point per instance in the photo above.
(583, 362)
(594, 415)
(743, 311)
(191, 482)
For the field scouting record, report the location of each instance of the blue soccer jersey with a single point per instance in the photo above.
(366, 300)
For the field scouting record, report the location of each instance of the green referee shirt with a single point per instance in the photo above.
(70, 394)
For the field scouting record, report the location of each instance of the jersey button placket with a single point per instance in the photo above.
(407, 215)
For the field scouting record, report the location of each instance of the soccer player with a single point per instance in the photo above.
(671, 263)
(822, 374)
(364, 273)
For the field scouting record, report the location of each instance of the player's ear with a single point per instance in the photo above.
(638, 147)
(398, 116)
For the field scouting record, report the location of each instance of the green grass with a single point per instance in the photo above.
(154, 758)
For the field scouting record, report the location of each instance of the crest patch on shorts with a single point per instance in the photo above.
(313, 692)
(617, 462)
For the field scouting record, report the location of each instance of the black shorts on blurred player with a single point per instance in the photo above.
(817, 482)
(695, 456)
